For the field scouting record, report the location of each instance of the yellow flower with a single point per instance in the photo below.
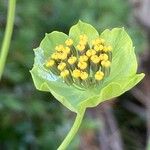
(72, 60)
(82, 62)
(103, 57)
(90, 52)
(76, 73)
(64, 73)
(105, 63)
(69, 42)
(61, 66)
(95, 59)
(80, 47)
(84, 75)
(82, 65)
(83, 58)
(99, 75)
(50, 63)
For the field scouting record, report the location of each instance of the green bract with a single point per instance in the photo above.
(122, 75)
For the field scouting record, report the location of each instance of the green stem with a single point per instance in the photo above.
(8, 34)
(73, 131)
(148, 144)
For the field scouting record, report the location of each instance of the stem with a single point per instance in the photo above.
(8, 34)
(148, 145)
(73, 131)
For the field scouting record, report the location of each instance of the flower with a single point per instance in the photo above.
(83, 69)
(89, 64)
(85, 63)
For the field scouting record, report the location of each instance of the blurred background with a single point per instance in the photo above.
(30, 119)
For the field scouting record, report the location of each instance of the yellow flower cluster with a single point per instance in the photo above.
(81, 64)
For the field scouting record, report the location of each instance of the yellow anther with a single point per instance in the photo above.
(101, 47)
(98, 41)
(76, 73)
(82, 42)
(67, 50)
(64, 73)
(109, 48)
(96, 47)
(63, 56)
(105, 63)
(50, 63)
(66, 55)
(69, 42)
(93, 52)
(105, 49)
(59, 48)
(84, 75)
(83, 37)
(99, 75)
(55, 56)
(59, 55)
(72, 60)
(61, 66)
(80, 47)
(95, 59)
(90, 52)
(83, 58)
(103, 57)
(102, 41)
(82, 65)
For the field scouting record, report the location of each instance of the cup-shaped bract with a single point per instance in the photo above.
(83, 69)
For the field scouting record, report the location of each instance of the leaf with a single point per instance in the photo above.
(51, 40)
(124, 63)
(112, 90)
(122, 76)
(83, 28)
(134, 80)
(67, 95)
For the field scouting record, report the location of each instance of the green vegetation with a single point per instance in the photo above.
(29, 118)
